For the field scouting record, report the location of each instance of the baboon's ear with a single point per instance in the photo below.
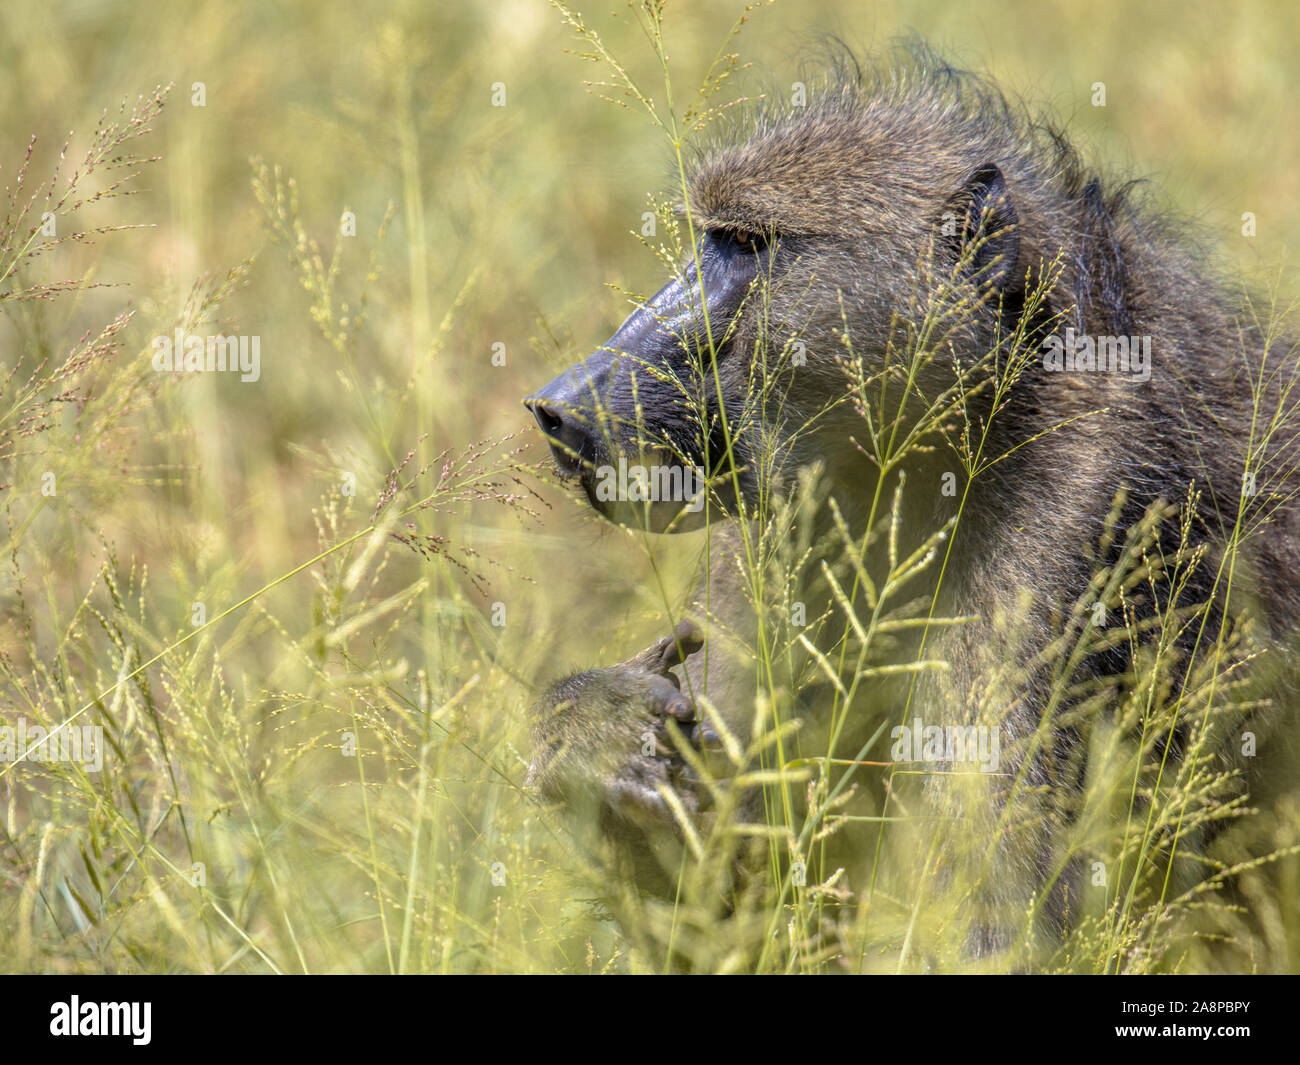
(981, 225)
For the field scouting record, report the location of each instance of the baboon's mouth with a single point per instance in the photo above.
(656, 487)
(647, 492)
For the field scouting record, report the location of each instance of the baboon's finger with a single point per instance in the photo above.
(705, 737)
(650, 658)
(664, 698)
(671, 651)
(684, 642)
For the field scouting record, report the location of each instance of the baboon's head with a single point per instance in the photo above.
(825, 233)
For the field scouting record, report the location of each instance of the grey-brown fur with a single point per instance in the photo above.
(854, 187)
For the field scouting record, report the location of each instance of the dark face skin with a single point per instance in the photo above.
(648, 394)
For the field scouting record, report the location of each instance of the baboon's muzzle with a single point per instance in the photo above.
(593, 414)
(595, 408)
(634, 395)
(568, 412)
(591, 409)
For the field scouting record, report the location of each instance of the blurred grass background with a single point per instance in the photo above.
(228, 832)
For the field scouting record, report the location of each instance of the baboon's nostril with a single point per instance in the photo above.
(569, 442)
(549, 422)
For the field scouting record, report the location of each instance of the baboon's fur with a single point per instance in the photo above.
(854, 189)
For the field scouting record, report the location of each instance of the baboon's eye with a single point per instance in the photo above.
(743, 239)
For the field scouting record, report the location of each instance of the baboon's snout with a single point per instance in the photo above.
(585, 410)
(591, 409)
(566, 413)
(569, 441)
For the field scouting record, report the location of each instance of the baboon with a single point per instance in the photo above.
(1083, 394)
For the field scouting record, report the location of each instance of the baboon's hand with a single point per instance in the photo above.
(604, 734)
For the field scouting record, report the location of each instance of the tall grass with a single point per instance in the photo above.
(309, 616)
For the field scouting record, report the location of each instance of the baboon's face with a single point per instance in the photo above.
(649, 395)
(810, 231)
